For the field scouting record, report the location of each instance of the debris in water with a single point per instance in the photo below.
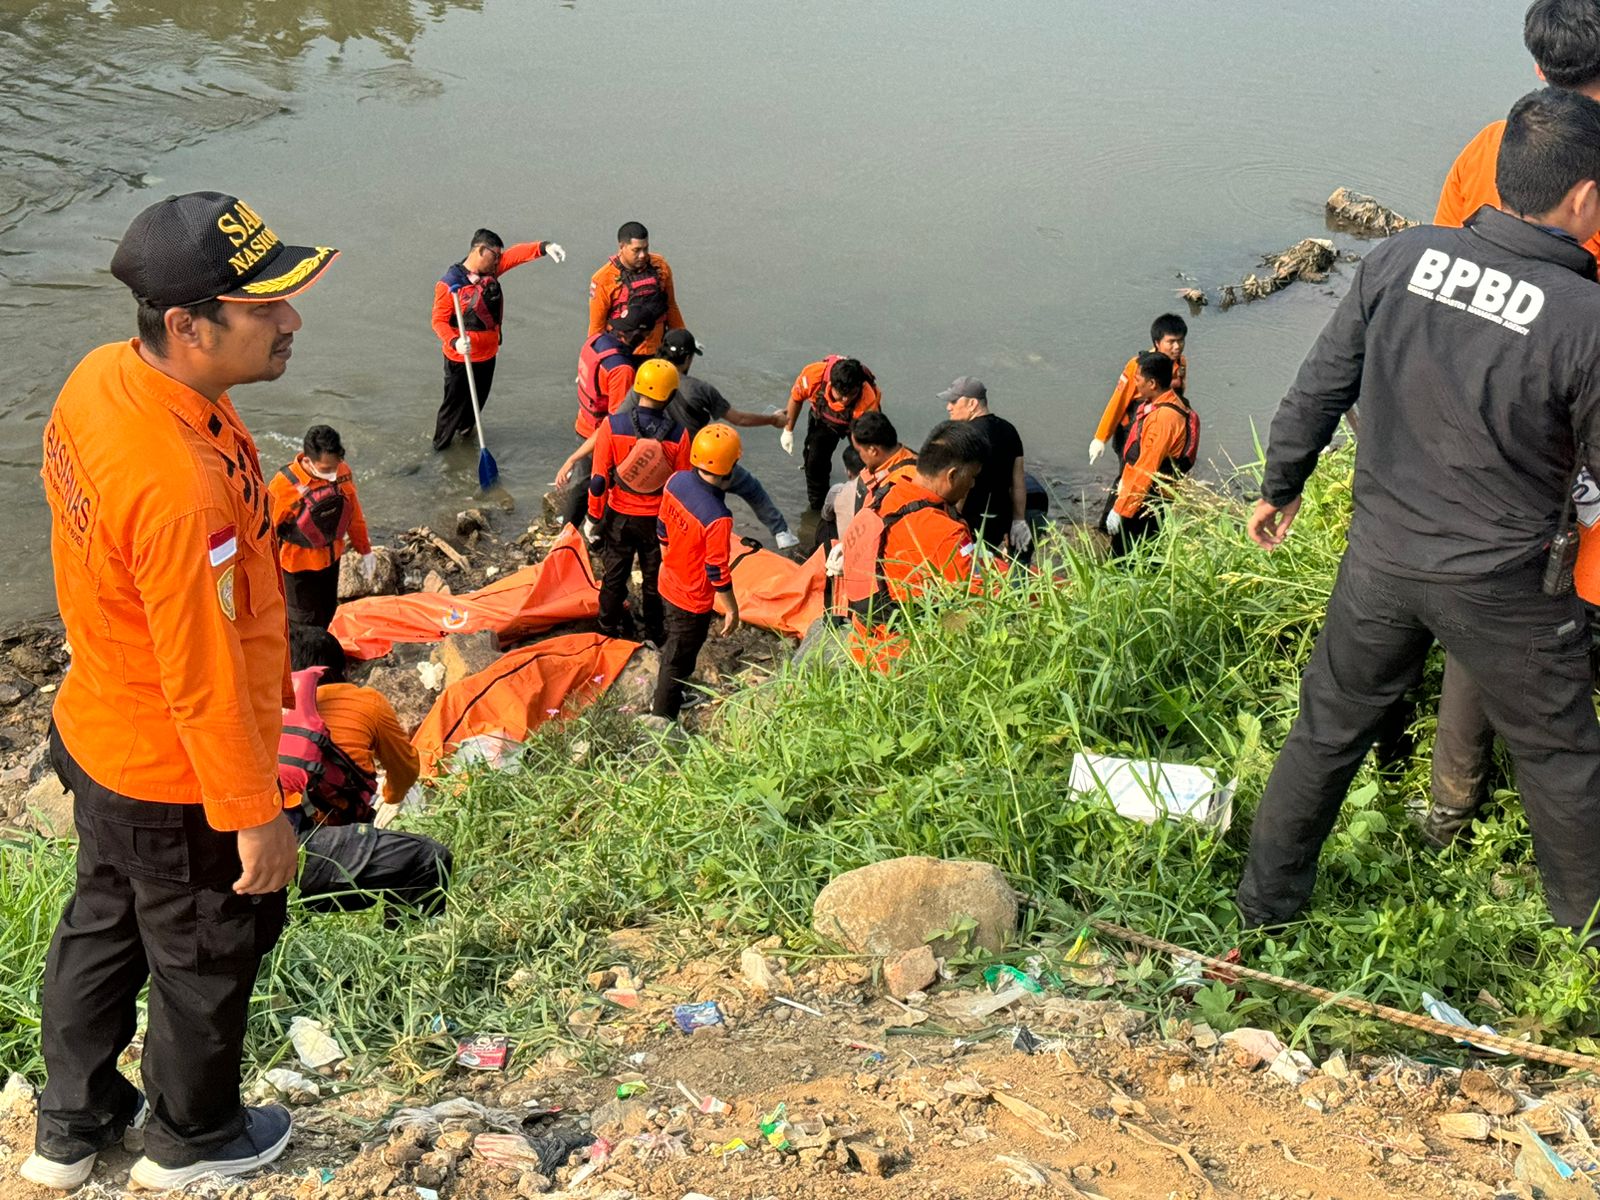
(1308, 259)
(1363, 212)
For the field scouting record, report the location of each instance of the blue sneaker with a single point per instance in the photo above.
(266, 1132)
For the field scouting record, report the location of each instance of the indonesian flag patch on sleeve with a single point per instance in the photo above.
(223, 545)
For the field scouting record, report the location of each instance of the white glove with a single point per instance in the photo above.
(835, 564)
(1113, 522)
(1096, 449)
(786, 440)
(369, 567)
(1021, 536)
(591, 531)
(464, 346)
(554, 252)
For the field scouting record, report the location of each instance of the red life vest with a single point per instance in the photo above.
(829, 407)
(640, 301)
(335, 789)
(483, 301)
(866, 590)
(320, 517)
(1174, 465)
(645, 468)
(602, 352)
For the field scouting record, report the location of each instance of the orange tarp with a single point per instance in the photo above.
(519, 693)
(777, 593)
(561, 588)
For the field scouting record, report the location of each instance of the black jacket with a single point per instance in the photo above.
(1474, 397)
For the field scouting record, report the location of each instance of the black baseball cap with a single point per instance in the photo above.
(210, 246)
(679, 345)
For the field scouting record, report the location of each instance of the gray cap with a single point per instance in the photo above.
(965, 386)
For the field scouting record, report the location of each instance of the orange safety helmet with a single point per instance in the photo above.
(657, 379)
(716, 449)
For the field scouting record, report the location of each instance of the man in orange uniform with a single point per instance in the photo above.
(696, 530)
(912, 532)
(838, 390)
(633, 294)
(1564, 38)
(1168, 333)
(166, 727)
(314, 507)
(475, 282)
(605, 376)
(1162, 444)
(635, 453)
(351, 864)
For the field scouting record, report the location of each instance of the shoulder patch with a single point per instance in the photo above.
(225, 593)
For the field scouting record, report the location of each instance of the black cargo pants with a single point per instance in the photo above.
(686, 633)
(624, 538)
(154, 901)
(816, 456)
(1529, 655)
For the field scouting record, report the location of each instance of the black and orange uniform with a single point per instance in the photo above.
(165, 730)
(1463, 753)
(605, 376)
(853, 494)
(313, 517)
(635, 453)
(1120, 410)
(1163, 444)
(349, 863)
(640, 301)
(695, 529)
(483, 310)
(828, 422)
(902, 540)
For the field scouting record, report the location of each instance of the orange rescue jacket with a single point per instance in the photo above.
(811, 387)
(480, 301)
(617, 448)
(288, 494)
(1165, 438)
(1119, 414)
(166, 575)
(610, 295)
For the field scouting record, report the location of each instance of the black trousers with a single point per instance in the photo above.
(686, 633)
(625, 538)
(351, 867)
(312, 596)
(455, 410)
(153, 901)
(816, 456)
(1528, 654)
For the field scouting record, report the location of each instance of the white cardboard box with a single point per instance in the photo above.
(1147, 790)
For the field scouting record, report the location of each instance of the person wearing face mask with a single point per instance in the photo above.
(314, 509)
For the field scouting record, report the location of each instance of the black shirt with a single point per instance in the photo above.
(1472, 352)
(696, 405)
(988, 505)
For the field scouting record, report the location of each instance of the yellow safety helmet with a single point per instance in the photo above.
(716, 449)
(657, 378)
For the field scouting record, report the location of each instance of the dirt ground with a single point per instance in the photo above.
(1110, 1106)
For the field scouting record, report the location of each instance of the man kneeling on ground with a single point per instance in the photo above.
(349, 863)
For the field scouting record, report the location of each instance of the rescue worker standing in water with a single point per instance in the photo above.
(633, 295)
(166, 728)
(635, 453)
(475, 282)
(838, 390)
(1477, 347)
(314, 508)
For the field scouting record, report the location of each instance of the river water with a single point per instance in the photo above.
(1004, 190)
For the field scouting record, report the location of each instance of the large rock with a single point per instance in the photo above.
(635, 688)
(900, 903)
(47, 806)
(464, 654)
(388, 578)
(404, 687)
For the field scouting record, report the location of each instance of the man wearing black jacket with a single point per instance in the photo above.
(1472, 353)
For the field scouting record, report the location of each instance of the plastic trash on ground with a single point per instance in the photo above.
(454, 1113)
(486, 1052)
(1450, 1015)
(316, 1047)
(690, 1017)
(1146, 790)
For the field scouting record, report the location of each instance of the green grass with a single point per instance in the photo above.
(1192, 653)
